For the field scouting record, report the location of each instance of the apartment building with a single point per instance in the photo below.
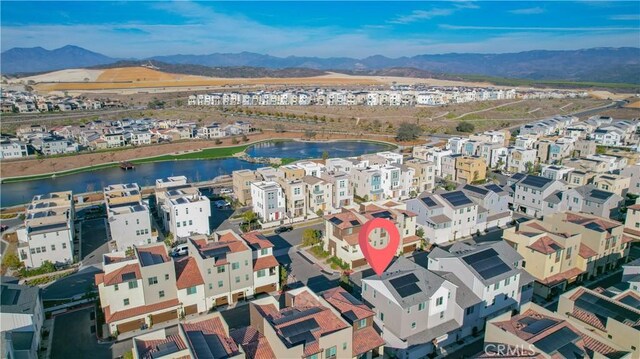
(577, 178)
(311, 168)
(319, 195)
(584, 148)
(587, 165)
(367, 183)
(417, 310)
(225, 262)
(21, 319)
(633, 172)
(589, 199)
(295, 198)
(424, 177)
(470, 169)
(137, 289)
(267, 199)
(609, 182)
(266, 273)
(495, 155)
(49, 230)
(367, 342)
(306, 326)
(613, 318)
(532, 194)
(128, 216)
(446, 216)
(519, 160)
(431, 154)
(342, 230)
(632, 221)
(493, 204)
(539, 333)
(10, 149)
(242, 180)
(341, 164)
(448, 167)
(341, 188)
(567, 247)
(556, 172)
(183, 209)
(492, 271)
(203, 337)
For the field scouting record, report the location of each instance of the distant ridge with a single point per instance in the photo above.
(621, 65)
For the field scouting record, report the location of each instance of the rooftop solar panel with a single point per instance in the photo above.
(382, 214)
(405, 285)
(494, 188)
(355, 222)
(604, 308)
(594, 227)
(429, 201)
(335, 220)
(408, 290)
(631, 301)
(539, 325)
(487, 263)
(474, 189)
(297, 328)
(456, 198)
(128, 276)
(287, 317)
(598, 194)
(535, 181)
(558, 339)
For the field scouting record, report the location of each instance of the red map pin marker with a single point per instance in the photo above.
(379, 259)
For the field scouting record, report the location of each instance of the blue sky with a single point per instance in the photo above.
(325, 29)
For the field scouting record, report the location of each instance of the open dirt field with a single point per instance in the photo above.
(70, 75)
(142, 74)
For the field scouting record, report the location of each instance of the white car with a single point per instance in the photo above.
(226, 191)
(180, 250)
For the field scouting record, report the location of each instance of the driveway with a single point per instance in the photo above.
(74, 336)
(292, 238)
(73, 285)
(93, 241)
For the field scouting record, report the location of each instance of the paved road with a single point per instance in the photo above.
(74, 337)
(75, 284)
(94, 241)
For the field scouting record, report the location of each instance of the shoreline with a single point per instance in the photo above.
(186, 156)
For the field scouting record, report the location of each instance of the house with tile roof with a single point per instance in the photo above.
(138, 289)
(614, 318)
(417, 309)
(539, 333)
(266, 269)
(342, 230)
(305, 326)
(567, 247)
(367, 342)
(493, 272)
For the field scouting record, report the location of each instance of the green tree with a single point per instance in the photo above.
(465, 127)
(283, 277)
(279, 128)
(529, 167)
(309, 134)
(234, 140)
(250, 217)
(420, 232)
(325, 155)
(408, 132)
(11, 260)
(311, 237)
(245, 138)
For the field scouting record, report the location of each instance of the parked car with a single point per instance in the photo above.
(180, 250)
(283, 229)
(220, 204)
(226, 191)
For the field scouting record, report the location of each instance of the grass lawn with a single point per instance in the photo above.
(206, 154)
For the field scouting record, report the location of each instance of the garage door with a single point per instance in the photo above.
(222, 301)
(130, 326)
(164, 317)
(191, 309)
(266, 288)
(410, 248)
(237, 296)
(358, 263)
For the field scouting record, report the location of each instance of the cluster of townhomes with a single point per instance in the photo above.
(417, 95)
(100, 135)
(24, 101)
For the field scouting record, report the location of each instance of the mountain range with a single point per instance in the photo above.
(620, 65)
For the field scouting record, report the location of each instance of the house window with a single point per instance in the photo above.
(261, 273)
(235, 265)
(238, 279)
(413, 325)
(362, 323)
(133, 285)
(53, 247)
(192, 290)
(153, 280)
(208, 270)
(166, 277)
(441, 315)
(381, 316)
(314, 356)
(115, 287)
(64, 246)
(246, 277)
(246, 262)
(344, 346)
(161, 294)
(496, 286)
(210, 286)
(439, 301)
(421, 306)
(331, 352)
(221, 269)
(220, 283)
(264, 252)
(469, 310)
(126, 301)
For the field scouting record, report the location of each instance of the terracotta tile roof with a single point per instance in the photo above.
(159, 250)
(213, 326)
(557, 278)
(365, 339)
(347, 305)
(133, 312)
(352, 239)
(187, 273)
(410, 239)
(346, 217)
(586, 252)
(227, 240)
(115, 277)
(626, 239)
(631, 231)
(589, 318)
(535, 225)
(599, 347)
(255, 345)
(257, 240)
(146, 348)
(264, 263)
(99, 278)
(545, 245)
(583, 220)
(634, 207)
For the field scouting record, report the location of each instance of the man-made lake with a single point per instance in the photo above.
(195, 170)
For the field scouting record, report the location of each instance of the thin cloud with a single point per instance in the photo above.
(528, 11)
(418, 15)
(626, 17)
(533, 28)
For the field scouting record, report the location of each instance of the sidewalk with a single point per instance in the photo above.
(324, 267)
(450, 350)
